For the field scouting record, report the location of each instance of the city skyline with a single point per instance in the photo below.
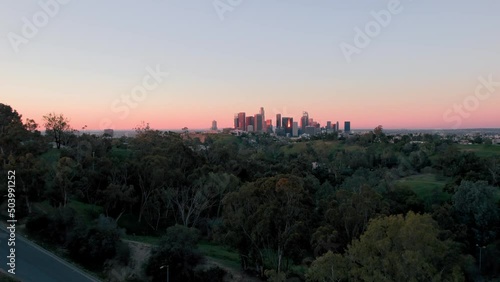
(284, 125)
(183, 64)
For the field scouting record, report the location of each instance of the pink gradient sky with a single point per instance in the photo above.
(408, 77)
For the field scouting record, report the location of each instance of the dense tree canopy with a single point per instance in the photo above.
(370, 206)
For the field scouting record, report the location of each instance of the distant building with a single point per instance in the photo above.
(338, 126)
(269, 126)
(304, 121)
(295, 129)
(241, 121)
(263, 118)
(250, 122)
(250, 128)
(109, 132)
(214, 125)
(278, 120)
(334, 128)
(328, 125)
(310, 130)
(236, 121)
(280, 131)
(347, 127)
(258, 123)
(287, 123)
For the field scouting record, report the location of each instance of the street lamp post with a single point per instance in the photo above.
(168, 271)
(480, 255)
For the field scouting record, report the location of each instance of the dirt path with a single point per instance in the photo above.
(140, 252)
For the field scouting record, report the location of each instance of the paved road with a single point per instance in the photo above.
(34, 264)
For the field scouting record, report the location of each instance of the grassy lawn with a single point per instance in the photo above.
(481, 150)
(221, 254)
(427, 187)
(120, 153)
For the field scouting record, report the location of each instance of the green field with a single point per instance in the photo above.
(427, 187)
(481, 150)
(223, 255)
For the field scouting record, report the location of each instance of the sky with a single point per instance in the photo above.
(113, 64)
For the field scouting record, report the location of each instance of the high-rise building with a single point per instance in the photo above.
(311, 130)
(304, 121)
(347, 127)
(335, 127)
(263, 116)
(338, 127)
(295, 129)
(236, 123)
(258, 123)
(241, 121)
(250, 124)
(287, 123)
(214, 125)
(328, 125)
(269, 126)
(278, 120)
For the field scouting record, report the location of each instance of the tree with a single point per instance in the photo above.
(475, 206)
(378, 131)
(177, 250)
(56, 126)
(97, 244)
(191, 201)
(152, 178)
(267, 220)
(29, 176)
(403, 248)
(205, 192)
(329, 267)
(12, 132)
(116, 199)
(351, 210)
(65, 173)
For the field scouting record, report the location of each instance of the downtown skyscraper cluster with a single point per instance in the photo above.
(285, 126)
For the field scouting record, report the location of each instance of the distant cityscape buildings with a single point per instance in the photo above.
(214, 125)
(347, 127)
(285, 126)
